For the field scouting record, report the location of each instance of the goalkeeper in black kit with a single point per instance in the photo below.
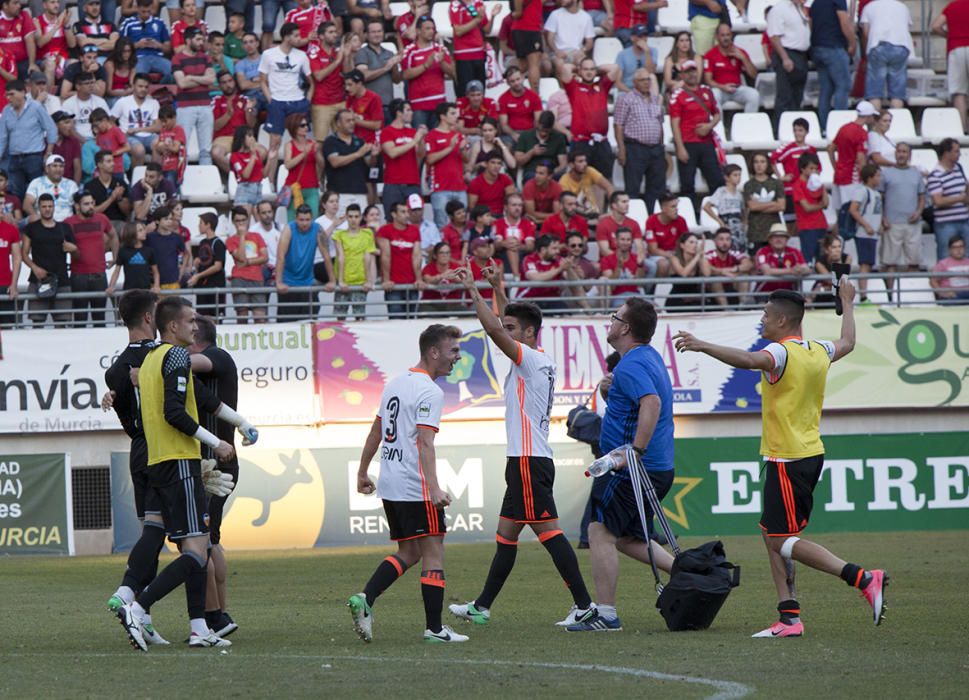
(175, 488)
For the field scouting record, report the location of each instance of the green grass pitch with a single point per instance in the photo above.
(295, 638)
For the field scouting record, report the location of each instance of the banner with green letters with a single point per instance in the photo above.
(307, 497)
(36, 509)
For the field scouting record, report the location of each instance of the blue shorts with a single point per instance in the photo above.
(614, 503)
(248, 193)
(866, 248)
(278, 111)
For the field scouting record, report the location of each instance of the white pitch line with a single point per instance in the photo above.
(726, 690)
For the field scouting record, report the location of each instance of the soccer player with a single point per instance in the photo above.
(404, 430)
(175, 490)
(216, 370)
(793, 380)
(529, 471)
(639, 413)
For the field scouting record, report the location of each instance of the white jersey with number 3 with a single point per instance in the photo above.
(409, 402)
(529, 390)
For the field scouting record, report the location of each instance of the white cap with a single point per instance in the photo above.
(54, 158)
(415, 201)
(866, 109)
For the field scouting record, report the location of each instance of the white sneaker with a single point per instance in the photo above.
(362, 615)
(446, 635)
(209, 640)
(152, 637)
(575, 615)
(133, 627)
(468, 611)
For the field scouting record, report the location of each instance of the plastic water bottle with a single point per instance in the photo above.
(603, 465)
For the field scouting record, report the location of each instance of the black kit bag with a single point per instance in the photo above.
(701, 579)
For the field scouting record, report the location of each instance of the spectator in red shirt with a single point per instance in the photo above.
(849, 153)
(777, 259)
(624, 263)
(589, 97)
(810, 201)
(518, 107)
(614, 220)
(526, 33)
(308, 16)
(474, 108)
(400, 262)
(52, 34)
(663, 229)
(492, 186)
(953, 23)
(723, 69)
(10, 263)
(446, 152)
(786, 157)
(189, 17)
(247, 163)
(566, 219)
(406, 24)
(440, 264)
(693, 115)
(425, 65)
(17, 36)
(328, 61)
(110, 138)
(230, 110)
(724, 261)
(403, 148)
(514, 234)
(453, 233)
(544, 265)
(368, 112)
(471, 23)
(93, 235)
(541, 194)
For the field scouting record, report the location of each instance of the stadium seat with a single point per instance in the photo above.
(738, 22)
(399, 8)
(751, 44)
(755, 13)
(605, 50)
(903, 127)
(668, 133)
(827, 169)
(926, 88)
(752, 132)
(190, 219)
(662, 45)
(674, 17)
(496, 23)
(137, 174)
(442, 19)
(837, 118)
(192, 149)
(215, 18)
(940, 123)
(707, 222)
(281, 172)
(203, 183)
(785, 129)
(546, 88)
(766, 85)
(637, 212)
(495, 92)
(812, 90)
(925, 159)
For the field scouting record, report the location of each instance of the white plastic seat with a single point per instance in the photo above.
(192, 149)
(203, 183)
(546, 88)
(638, 212)
(215, 18)
(662, 45)
(751, 44)
(605, 50)
(674, 17)
(442, 19)
(785, 128)
(707, 222)
(827, 169)
(903, 127)
(137, 174)
(755, 13)
(925, 159)
(939, 123)
(837, 118)
(398, 8)
(752, 132)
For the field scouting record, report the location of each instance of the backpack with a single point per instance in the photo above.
(847, 225)
(700, 582)
(584, 425)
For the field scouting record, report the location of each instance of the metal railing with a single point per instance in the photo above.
(576, 298)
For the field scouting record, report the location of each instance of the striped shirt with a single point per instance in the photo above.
(949, 183)
(640, 116)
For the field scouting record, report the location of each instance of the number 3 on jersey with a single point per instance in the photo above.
(393, 408)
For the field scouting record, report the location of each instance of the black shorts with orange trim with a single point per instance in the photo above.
(789, 495)
(528, 490)
(409, 520)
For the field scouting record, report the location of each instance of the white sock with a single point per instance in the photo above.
(126, 594)
(146, 618)
(199, 627)
(138, 611)
(607, 612)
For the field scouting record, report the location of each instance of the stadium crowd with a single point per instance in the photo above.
(327, 177)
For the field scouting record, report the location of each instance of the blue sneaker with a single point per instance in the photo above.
(596, 623)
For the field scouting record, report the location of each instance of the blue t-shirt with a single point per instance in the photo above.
(629, 62)
(825, 28)
(298, 270)
(167, 249)
(640, 372)
(136, 30)
(704, 11)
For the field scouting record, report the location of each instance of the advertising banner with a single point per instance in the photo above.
(53, 380)
(307, 497)
(36, 507)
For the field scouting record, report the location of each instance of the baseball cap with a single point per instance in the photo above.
(415, 201)
(60, 116)
(479, 242)
(640, 30)
(474, 86)
(779, 230)
(688, 64)
(37, 77)
(354, 75)
(54, 158)
(89, 48)
(866, 109)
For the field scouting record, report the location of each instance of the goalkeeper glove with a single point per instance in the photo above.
(216, 483)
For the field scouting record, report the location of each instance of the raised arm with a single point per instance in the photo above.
(742, 359)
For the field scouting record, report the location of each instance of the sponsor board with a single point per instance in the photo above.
(36, 509)
(307, 497)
